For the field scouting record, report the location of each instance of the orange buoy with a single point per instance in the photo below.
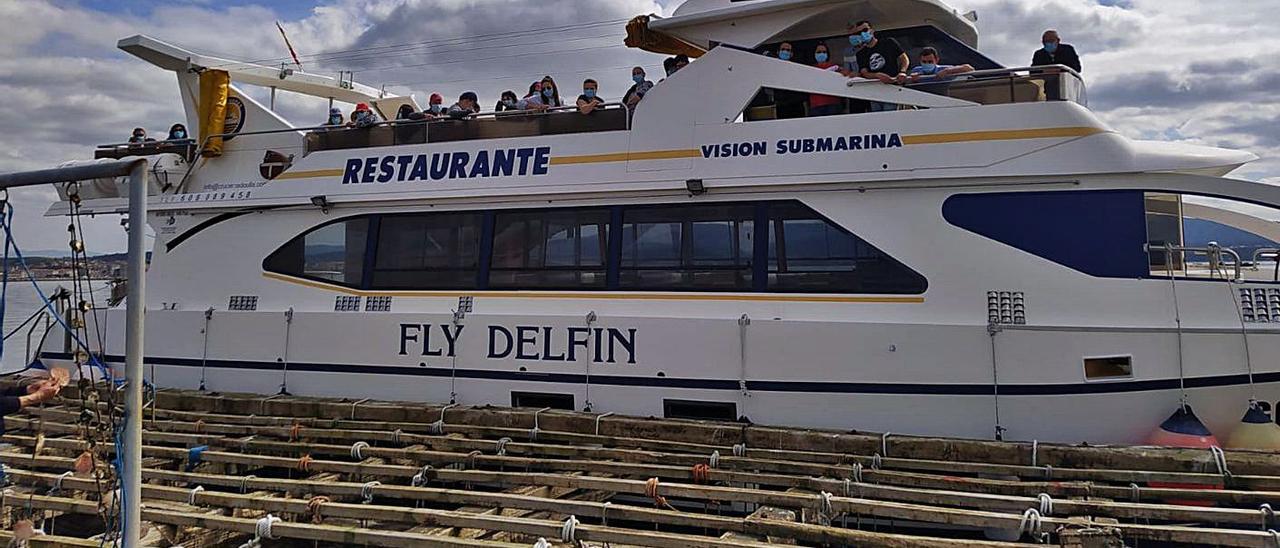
(1183, 429)
(1255, 431)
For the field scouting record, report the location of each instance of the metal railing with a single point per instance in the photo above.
(1212, 251)
(482, 125)
(1271, 253)
(1011, 85)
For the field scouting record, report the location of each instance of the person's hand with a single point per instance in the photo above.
(44, 392)
(901, 78)
(884, 78)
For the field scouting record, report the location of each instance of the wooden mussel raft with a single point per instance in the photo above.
(230, 469)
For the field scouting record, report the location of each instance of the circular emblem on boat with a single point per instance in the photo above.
(234, 118)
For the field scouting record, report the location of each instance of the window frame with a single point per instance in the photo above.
(755, 260)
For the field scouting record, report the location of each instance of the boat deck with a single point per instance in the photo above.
(372, 473)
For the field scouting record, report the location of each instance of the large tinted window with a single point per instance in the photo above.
(427, 251)
(557, 249)
(334, 253)
(701, 248)
(809, 253)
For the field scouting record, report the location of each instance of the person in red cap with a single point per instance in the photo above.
(363, 116)
(435, 107)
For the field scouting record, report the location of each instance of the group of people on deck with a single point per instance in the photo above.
(884, 59)
(543, 95)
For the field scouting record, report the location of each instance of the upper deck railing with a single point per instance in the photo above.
(484, 125)
(1011, 85)
(182, 147)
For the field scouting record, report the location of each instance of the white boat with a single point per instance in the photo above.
(985, 258)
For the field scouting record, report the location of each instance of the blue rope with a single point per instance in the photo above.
(6, 223)
(195, 456)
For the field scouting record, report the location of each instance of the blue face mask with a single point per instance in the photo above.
(785, 55)
(821, 56)
(855, 40)
(1050, 47)
(435, 108)
(590, 93)
(637, 78)
(548, 91)
(179, 134)
(929, 68)
(867, 36)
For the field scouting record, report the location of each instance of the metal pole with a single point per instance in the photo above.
(135, 308)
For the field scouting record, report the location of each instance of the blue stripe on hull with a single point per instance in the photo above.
(714, 384)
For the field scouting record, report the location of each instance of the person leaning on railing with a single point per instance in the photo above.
(589, 101)
(931, 68)
(467, 105)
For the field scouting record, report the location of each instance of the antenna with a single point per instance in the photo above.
(290, 46)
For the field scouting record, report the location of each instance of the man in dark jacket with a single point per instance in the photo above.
(15, 398)
(1055, 52)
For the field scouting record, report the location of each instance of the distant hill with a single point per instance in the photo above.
(1198, 232)
(60, 253)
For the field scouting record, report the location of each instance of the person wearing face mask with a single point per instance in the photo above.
(139, 136)
(506, 101)
(787, 103)
(335, 117)
(930, 68)
(435, 107)
(550, 93)
(824, 105)
(177, 132)
(640, 87)
(1055, 52)
(363, 116)
(589, 101)
(533, 100)
(785, 51)
(879, 59)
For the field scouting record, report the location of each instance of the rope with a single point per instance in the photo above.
(1135, 492)
(423, 476)
(714, 460)
(1267, 515)
(1220, 460)
(395, 436)
(847, 485)
(1046, 504)
(57, 485)
(1030, 525)
(471, 459)
(314, 506)
(569, 530)
(876, 461)
(295, 432)
(604, 513)
(739, 449)
(824, 508)
(1035, 448)
(857, 472)
(244, 483)
(357, 449)
(191, 497)
(263, 529)
(1048, 472)
(502, 446)
(366, 491)
(651, 491)
(601, 416)
(195, 456)
(884, 444)
(701, 473)
(1275, 537)
(304, 463)
(437, 428)
(353, 407)
(542, 543)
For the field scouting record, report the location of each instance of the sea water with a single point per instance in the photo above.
(21, 301)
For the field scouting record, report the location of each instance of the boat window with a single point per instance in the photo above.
(672, 247)
(552, 249)
(332, 253)
(702, 248)
(810, 253)
(1108, 367)
(427, 251)
(1205, 237)
(542, 400)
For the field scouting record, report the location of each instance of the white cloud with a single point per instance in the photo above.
(1179, 70)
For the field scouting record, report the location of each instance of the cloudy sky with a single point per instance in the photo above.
(1177, 70)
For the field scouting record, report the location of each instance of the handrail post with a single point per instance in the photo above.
(131, 476)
